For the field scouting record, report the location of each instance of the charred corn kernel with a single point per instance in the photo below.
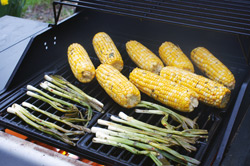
(117, 86)
(172, 55)
(80, 63)
(209, 92)
(143, 57)
(212, 67)
(106, 50)
(163, 90)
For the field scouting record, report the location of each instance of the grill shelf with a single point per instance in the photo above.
(209, 118)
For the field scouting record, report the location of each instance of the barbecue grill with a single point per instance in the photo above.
(221, 26)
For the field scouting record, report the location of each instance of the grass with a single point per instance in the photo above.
(42, 10)
(33, 3)
(37, 2)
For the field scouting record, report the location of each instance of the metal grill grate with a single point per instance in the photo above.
(208, 117)
(14, 122)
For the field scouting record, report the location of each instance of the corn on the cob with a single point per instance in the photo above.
(172, 55)
(212, 67)
(163, 90)
(80, 63)
(209, 92)
(106, 50)
(143, 57)
(117, 86)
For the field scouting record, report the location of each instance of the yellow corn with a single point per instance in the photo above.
(80, 63)
(117, 86)
(212, 67)
(172, 55)
(163, 90)
(143, 57)
(106, 50)
(209, 92)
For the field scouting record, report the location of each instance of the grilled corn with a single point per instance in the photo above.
(106, 50)
(212, 67)
(143, 57)
(117, 86)
(172, 55)
(163, 90)
(209, 92)
(80, 63)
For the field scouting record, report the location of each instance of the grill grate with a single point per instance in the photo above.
(16, 123)
(124, 157)
(208, 117)
(226, 16)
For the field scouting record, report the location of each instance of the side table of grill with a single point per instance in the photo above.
(15, 34)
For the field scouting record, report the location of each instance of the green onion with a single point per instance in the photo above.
(52, 132)
(55, 117)
(43, 122)
(138, 134)
(184, 121)
(58, 106)
(151, 154)
(74, 91)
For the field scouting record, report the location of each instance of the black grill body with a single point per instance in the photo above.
(47, 54)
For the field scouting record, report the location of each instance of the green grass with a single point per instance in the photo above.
(42, 10)
(33, 3)
(38, 2)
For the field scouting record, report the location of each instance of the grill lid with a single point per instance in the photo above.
(225, 16)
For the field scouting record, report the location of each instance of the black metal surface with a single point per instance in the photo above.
(231, 124)
(239, 153)
(224, 16)
(51, 58)
(209, 119)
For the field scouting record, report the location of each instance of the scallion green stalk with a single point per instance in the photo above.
(67, 86)
(54, 133)
(55, 117)
(151, 154)
(45, 123)
(185, 122)
(54, 104)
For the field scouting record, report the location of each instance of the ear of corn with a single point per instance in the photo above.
(172, 55)
(106, 50)
(212, 67)
(143, 57)
(80, 63)
(117, 86)
(163, 90)
(209, 92)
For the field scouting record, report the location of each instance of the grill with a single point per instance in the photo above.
(222, 27)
